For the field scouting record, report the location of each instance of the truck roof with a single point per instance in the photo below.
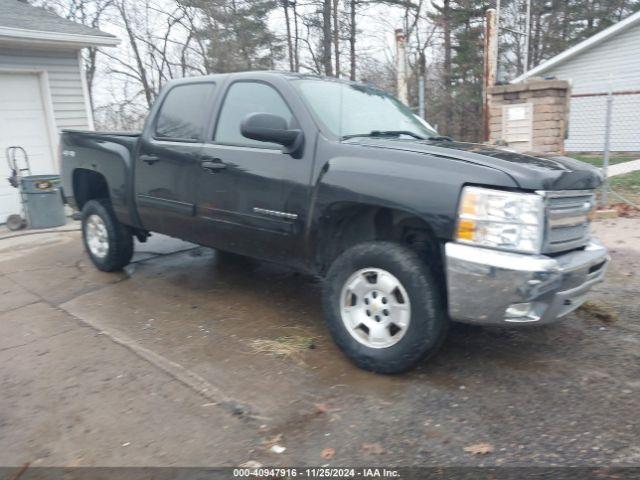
(258, 74)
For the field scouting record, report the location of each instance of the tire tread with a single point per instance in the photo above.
(120, 236)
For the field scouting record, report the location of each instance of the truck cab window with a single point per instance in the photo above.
(242, 99)
(183, 112)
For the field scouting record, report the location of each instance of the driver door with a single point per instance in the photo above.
(242, 191)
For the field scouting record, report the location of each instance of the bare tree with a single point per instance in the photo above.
(296, 46)
(447, 71)
(90, 13)
(326, 38)
(286, 5)
(352, 39)
(336, 35)
(140, 70)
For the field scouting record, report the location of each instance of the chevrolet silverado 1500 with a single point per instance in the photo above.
(407, 229)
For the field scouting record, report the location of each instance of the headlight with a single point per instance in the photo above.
(498, 219)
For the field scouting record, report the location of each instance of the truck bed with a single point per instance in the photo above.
(91, 139)
(88, 155)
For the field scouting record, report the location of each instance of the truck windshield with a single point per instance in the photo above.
(351, 110)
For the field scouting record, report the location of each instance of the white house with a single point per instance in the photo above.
(42, 86)
(608, 61)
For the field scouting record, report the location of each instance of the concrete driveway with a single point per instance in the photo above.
(194, 358)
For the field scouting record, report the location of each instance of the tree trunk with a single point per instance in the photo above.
(446, 15)
(352, 39)
(296, 48)
(142, 72)
(336, 36)
(534, 49)
(90, 72)
(285, 4)
(326, 38)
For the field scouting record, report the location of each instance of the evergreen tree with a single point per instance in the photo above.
(238, 35)
(458, 109)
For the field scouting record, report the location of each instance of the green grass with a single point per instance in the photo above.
(627, 185)
(597, 160)
(628, 181)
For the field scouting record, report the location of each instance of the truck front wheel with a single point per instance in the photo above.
(108, 242)
(383, 307)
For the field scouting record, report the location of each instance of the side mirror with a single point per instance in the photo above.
(266, 127)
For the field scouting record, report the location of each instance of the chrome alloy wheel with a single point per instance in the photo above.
(375, 308)
(97, 236)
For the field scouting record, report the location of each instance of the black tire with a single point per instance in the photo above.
(120, 239)
(428, 322)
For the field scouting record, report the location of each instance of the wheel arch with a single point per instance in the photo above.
(88, 185)
(345, 224)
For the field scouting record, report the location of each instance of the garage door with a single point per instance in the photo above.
(22, 122)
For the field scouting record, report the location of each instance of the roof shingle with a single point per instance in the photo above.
(19, 14)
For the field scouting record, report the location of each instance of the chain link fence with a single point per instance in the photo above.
(604, 129)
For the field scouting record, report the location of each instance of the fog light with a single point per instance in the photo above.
(518, 310)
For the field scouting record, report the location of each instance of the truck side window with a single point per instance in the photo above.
(242, 99)
(183, 112)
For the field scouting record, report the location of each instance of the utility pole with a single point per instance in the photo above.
(607, 146)
(490, 66)
(401, 67)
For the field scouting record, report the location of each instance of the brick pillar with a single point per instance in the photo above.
(530, 116)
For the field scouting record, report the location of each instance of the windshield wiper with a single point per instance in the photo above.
(385, 133)
(440, 138)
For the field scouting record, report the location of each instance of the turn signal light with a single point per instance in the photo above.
(466, 228)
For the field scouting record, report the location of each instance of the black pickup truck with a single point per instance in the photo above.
(408, 229)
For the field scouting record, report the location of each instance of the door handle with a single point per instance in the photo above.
(150, 159)
(213, 165)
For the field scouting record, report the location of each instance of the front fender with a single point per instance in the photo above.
(420, 184)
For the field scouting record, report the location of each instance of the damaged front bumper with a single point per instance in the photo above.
(491, 287)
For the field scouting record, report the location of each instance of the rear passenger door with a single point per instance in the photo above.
(242, 200)
(168, 160)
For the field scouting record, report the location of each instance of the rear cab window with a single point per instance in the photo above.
(184, 112)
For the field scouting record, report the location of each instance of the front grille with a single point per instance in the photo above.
(567, 219)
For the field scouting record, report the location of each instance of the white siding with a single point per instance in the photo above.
(615, 61)
(613, 64)
(65, 82)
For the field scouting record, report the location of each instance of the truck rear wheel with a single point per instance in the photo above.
(108, 242)
(383, 307)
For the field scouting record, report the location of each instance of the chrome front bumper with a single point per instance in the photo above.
(483, 283)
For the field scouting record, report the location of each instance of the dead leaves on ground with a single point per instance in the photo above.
(328, 453)
(370, 448)
(291, 347)
(373, 448)
(273, 440)
(593, 309)
(626, 210)
(482, 448)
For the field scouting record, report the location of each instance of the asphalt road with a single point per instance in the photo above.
(194, 358)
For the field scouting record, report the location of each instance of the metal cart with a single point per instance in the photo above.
(40, 195)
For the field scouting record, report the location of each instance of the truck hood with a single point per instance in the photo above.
(529, 171)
